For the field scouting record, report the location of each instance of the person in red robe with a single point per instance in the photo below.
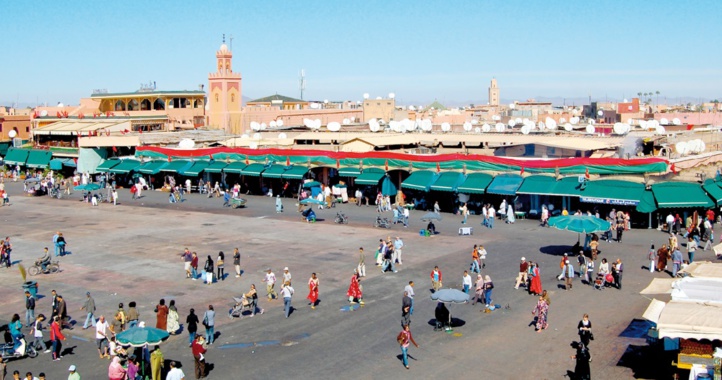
(161, 317)
(354, 289)
(313, 290)
(536, 285)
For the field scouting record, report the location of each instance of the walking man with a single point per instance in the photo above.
(237, 261)
(409, 290)
(89, 307)
(398, 246)
(270, 281)
(436, 278)
(523, 273)
(187, 258)
(199, 351)
(286, 293)
(29, 309)
(361, 262)
(568, 275)
(405, 338)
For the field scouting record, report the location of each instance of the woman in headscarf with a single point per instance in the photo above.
(161, 317)
(115, 370)
(541, 310)
(354, 290)
(488, 287)
(208, 268)
(536, 285)
(478, 290)
(172, 322)
(313, 290)
(279, 204)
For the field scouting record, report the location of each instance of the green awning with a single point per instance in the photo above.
(370, 176)
(58, 163)
(295, 172)
(274, 171)
(420, 180)
(125, 167)
(253, 170)
(235, 167)
(152, 167)
(39, 158)
(680, 195)
(216, 167)
(448, 181)
(16, 156)
(475, 183)
(349, 171)
(618, 193)
(196, 168)
(106, 165)
(547, 185)
(177, 166)
(505, 184)
(713, 190)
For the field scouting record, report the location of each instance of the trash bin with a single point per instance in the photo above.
(31, 286)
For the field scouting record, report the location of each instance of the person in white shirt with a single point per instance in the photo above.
(466, 281)
(398, 247)
(286, 293)
(670, 222)
(101, 337)
(406, 217)
(286, 276)
(175, 373)
(188, 186)
(491, 214)
(270, 281)
(409, 289)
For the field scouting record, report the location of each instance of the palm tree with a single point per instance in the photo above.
(657, 93)
(639, 94)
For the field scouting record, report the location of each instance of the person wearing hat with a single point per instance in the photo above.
(270, 280)
(74, 375)
(568, 275)
(286, 275)
(523, 273)
(562, 263)
(89, 307)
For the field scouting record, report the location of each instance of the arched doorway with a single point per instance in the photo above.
(159, 105)
(145, 105)
(120, 105)
(133, 105)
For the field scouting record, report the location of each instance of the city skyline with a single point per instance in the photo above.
(609, 50)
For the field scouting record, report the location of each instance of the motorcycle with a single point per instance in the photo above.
(53, 267)
(382, 222)
(6, 349)
(341, 218)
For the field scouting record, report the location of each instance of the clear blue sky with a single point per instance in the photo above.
(420, 50)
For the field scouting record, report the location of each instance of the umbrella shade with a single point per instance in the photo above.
(584, 224)
(312, 200)
(450, 296)
(140, 336)
(311, 184)
(89, 187)
(32, 180)
(431, 216)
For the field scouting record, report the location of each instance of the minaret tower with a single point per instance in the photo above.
(493, 93)
(224, 90)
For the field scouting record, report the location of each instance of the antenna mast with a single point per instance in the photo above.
(302, 82)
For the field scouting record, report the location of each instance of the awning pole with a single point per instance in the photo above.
(650, 221)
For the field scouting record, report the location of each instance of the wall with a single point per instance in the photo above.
(8, 123)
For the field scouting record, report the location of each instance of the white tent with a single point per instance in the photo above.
(703, 269)
(688, 320)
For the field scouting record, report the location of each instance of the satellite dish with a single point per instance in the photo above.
(541, 126)
(620, 128)
(333, 126)
(186, 144)
(568, 127)
(663, 121)
(263, 126)
(378, 98)
(562, 120)
(676, 121)
(574, 120)
(282, 135)
(625, 100)
(366, 95)
(427, 125)
(600, 113)
(500, 127)
(325, 101)
(409, 125)
(467, 126)
(61, 105)
(486, 128)
(12, 133)
(272, 124)
(680, 147)
(391, 95)
(346, 121)
(253, 145)
(43, 113)
(477, 130)
(702, 146)
(412, 108)
(255, 126)
(474, 121)
(315, 106)
(590, 129)
(526, 129)
(279, 123)
(592, 122)
(496, 117)
(512, 105)
(643, 124)
(511, 123)
(256, 136)
(445, 127)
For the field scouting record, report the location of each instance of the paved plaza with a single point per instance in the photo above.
(130, 252)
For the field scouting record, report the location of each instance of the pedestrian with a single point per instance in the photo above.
(590, 272)
(405, 316)
(61, 244)
(406, 217)
(398, 246)
(101, 337)
(55, 243)
(691, 249)
(475, 260)
(404, 339)
(617, 271)
(583, 357)
(133, 368)
(270, 280)
(491, 216)
(436, 279)
(192, 326)
(208, 269)
(55, 337)
(114, 195)
(279, 204)
(37, 331)
(123, 318)
(562, 265)
(652, 257)
(620, 229)
(286, 293)
(175, 373)
(361, 262)
(194, 266)
(73, 375)
(405, 304)
(355, 291)
(133, 315)
(464, 211)
(220, 267)
(199, 350)
(29, 309)
(286, 276)
(237, 261)
(541, 310)
(116, 370)
(466, 281)
(89, 307)
(482, 256)
(585, 330)
(173, 325)
(522, 277)
(156, 363)
(161, 316)
(535, 286)
(388, 264)
(313, 290)
(479, 290)
(63, 313)
(209, 322)
(488, 288)
(187, 257)
(568, 275)
(252, 295)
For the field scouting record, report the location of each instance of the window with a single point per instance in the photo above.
(216, 97)
(233, 98)
(529, 150)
